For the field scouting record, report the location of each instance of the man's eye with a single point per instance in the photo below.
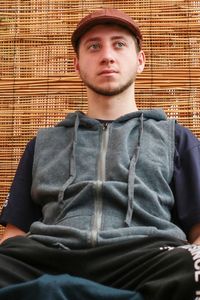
(120, 45)
(94, 46)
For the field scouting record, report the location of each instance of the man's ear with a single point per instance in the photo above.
(141, 62)
(76, 64)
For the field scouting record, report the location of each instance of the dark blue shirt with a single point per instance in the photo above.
(21, 211)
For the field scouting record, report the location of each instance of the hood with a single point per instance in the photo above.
(69, 121)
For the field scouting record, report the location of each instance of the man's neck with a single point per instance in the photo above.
(110, 108)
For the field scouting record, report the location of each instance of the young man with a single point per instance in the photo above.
(112, 195)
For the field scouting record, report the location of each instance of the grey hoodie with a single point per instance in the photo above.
(100, 184)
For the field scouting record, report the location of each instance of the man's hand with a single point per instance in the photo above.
(11, 231)
(194, 235)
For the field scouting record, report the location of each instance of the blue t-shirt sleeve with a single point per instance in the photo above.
(186, 178)
(19, 209)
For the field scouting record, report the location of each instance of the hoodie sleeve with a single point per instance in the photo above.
(19, 209)
(186, 178)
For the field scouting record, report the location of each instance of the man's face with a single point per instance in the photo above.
(108, 60)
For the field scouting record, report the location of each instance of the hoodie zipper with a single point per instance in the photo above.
(101, 177)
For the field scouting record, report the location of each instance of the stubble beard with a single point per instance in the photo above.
(107, 91)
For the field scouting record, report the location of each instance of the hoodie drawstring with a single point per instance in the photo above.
(131, 176)
(72, 174)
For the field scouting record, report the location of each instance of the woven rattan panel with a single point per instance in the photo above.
(38, 85)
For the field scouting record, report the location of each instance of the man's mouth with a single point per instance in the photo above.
(107, 72)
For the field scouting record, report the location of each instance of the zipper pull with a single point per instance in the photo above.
(105, 125)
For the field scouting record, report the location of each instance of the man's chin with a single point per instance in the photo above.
(108, 88)
(108, 91)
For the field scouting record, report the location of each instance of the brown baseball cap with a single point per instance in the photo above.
(107, 15)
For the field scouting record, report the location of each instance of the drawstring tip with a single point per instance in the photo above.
(129, 217)
(128, 223)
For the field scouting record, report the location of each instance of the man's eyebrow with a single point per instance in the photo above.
(93, 39)
(118, 37)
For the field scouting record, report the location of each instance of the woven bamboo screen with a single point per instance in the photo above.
(38, 85)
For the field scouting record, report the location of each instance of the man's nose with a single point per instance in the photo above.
(107, 55)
